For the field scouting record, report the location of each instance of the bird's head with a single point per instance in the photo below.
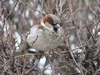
(51, 22)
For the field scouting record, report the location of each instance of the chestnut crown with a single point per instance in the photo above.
(52, 19)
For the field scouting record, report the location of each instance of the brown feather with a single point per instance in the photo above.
(38, 23)
(47, 19)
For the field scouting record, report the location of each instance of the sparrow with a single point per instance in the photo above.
(46, 34)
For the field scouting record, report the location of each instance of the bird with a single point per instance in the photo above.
(46, 34)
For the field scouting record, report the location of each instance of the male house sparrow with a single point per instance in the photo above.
(46, 34)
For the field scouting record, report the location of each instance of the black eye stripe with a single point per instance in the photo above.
(52, 23)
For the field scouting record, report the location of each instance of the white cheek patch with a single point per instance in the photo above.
(47, 26)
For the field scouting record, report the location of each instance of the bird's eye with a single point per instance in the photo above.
(52, 23)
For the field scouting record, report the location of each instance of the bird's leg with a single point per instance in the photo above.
(40, 54)
(51, 52)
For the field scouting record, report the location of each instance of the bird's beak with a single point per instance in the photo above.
(57, 26)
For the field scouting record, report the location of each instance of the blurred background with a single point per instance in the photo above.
(79, 53)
